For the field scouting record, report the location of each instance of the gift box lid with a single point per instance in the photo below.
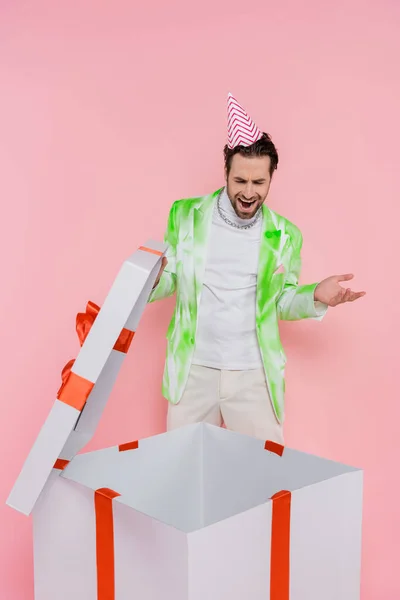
(105, 335)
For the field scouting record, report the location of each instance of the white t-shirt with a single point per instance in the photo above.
(226, 333)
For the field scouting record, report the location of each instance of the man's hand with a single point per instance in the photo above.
(163, 265)
(331, 293)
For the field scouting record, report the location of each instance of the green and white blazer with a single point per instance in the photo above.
(279, 296)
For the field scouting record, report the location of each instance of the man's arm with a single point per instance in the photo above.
(167, 284)
(297, 301)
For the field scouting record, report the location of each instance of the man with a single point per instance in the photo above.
(234, 265)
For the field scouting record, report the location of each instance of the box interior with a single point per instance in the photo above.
(198, 475)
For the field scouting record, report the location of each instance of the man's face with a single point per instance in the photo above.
(248, 184)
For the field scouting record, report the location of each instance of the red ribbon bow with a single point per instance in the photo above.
(84, 322)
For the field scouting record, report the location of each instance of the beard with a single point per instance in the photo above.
(245, 208)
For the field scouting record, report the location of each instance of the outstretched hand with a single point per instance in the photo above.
(330, 292)
(164, 263)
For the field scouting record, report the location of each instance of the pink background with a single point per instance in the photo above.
(109, 111)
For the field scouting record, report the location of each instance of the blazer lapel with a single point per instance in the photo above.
(202, 219)
(271, 249)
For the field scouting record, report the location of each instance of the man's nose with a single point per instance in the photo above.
(248, 191)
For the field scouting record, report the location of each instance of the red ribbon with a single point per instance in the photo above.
(280, 537)
(74, 389)
(274, 447)
(60, 464)
(84, 321)
(103, 502)
(280, 546)
(128, 446)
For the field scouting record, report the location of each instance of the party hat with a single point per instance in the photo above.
(242, 131)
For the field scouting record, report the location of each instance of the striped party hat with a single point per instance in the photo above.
(242, 131)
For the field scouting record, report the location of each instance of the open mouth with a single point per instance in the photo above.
(245, 205)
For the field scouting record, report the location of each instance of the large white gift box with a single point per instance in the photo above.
(199, 513)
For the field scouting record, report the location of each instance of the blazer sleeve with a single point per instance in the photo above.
(296, 301)
(167, 284)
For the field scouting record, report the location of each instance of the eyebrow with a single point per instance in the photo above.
(259, 180)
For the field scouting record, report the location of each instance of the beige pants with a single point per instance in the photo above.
(240, 399)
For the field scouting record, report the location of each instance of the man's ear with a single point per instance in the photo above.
(226, 174)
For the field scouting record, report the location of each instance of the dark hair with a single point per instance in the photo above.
(263, 147)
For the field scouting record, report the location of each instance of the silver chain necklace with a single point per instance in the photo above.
(231, 223)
